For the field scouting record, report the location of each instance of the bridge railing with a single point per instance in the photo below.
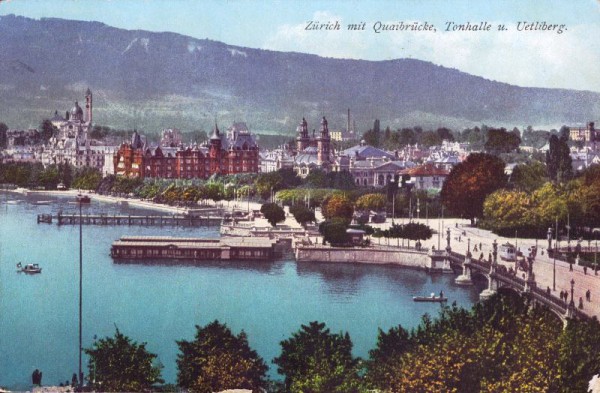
(511, 280)
(549, 300)
(480, 264)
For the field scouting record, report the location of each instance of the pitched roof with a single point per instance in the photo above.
(366, 151)
(425, 170)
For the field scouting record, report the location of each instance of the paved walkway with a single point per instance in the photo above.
(543, 266)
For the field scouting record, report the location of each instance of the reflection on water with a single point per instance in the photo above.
(161, 302)
(268, 267)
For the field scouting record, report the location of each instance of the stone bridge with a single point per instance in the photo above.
(501, 278)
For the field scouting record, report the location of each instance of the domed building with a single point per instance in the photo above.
(71, 144)
(313, 153)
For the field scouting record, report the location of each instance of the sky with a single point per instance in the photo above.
(565, 57)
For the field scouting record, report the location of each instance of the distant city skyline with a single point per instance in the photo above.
(525, 58)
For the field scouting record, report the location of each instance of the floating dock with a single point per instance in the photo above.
(194, 249)
(106, 219)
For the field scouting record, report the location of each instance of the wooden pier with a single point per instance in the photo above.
(107, 219)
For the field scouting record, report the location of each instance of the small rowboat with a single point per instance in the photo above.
(30, 268)
(431, 298)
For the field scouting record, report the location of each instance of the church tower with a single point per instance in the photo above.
(302, 140)
(88, 106)
(323, 142)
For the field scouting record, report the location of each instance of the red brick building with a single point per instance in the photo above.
(230, 153)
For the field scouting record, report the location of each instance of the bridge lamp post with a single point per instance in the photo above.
(572, 303)
(595, 231)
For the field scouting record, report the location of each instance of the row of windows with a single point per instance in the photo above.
(200, 254)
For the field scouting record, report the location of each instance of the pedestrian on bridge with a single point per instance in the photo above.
(588, 296)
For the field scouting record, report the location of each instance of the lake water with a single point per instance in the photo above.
(160, 303)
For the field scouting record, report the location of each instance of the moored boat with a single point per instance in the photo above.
(81, 198)
(30, 268)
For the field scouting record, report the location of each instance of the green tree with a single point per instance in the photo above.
(65, 174)
(334, 231)
(302, 214)
(337, 206)
(558, 160)
(373, 136)
(49, 177)
(267, 183)
(406, 136)
(588, 194)
(579, 357)
(445, 134)
(528, 177)
(416, 231)
(87, 178)
(317, 178)
(341, 180)
(430, 138)
(217, 360)
(117, 364)
(470, 182)
(501, 345)
(47, 130)
(501, 141)
(317, 361)
(507, 210)
(214, 191)
(273, 213)
(3, 140)
(371, 202)
(386, 356)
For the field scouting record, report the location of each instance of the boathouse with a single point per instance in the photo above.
(193, 249)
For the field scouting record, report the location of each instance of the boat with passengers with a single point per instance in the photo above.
(29, 268)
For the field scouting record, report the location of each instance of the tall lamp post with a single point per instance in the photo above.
(80, 290)
(554, 255)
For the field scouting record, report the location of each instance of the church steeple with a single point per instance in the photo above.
(302, 140)
(323, 142)
(88, 106)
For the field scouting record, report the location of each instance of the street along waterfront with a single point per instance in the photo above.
(159, 302)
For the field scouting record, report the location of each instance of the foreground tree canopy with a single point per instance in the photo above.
(217, 360)
(501, 345)
(470, 182)
(316, 360)
(117, 364)
(505, 344)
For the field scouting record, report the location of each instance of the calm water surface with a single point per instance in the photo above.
(160, 303)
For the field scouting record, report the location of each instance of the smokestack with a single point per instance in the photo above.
(348, 126)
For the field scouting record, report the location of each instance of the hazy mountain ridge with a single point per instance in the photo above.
(152, 80)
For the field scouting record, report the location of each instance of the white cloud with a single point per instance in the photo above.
(525, 58)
